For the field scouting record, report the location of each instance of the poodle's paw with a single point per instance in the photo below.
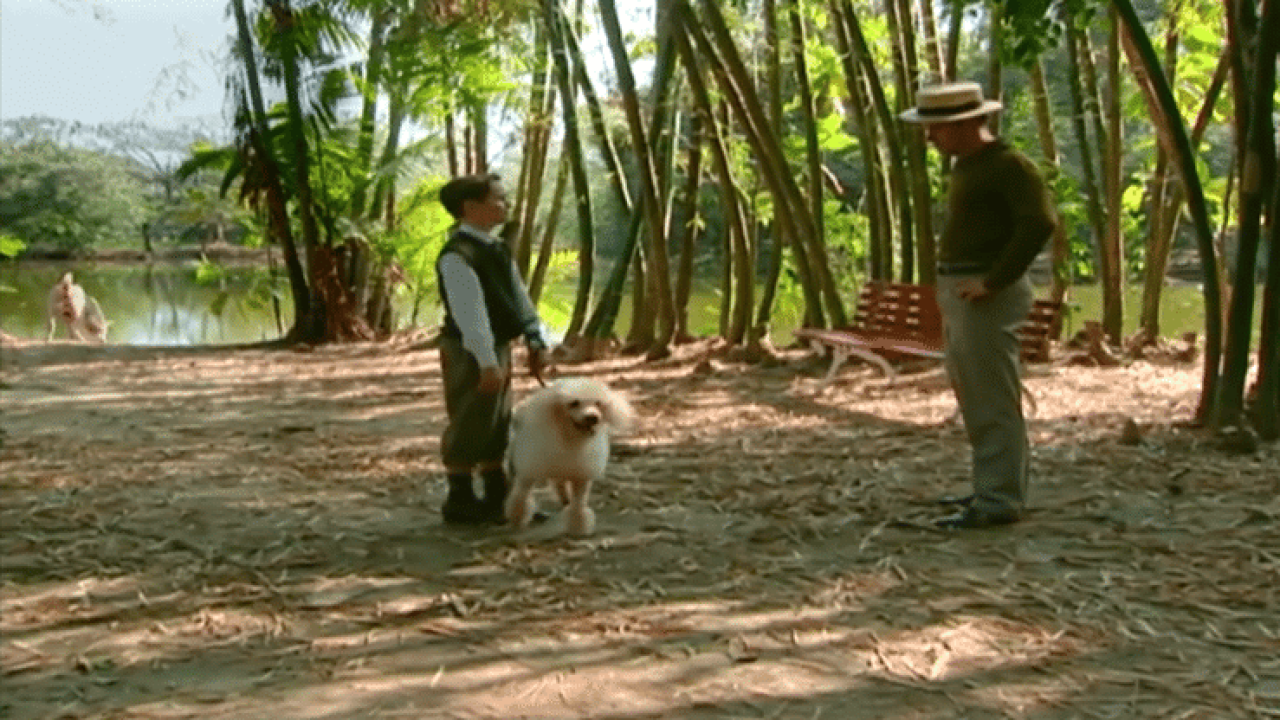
(519, 510)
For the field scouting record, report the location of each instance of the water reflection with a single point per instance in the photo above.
(154, 304)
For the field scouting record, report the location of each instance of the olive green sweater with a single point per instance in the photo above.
(999, 214)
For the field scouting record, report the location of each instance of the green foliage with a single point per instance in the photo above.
(1135, 226)
(10, 246)
(1030, 29)
(67, 197)
(831, 134)
(848, 241)
(1074, 216)
(556, 309)
(417, 238)
(248, 292)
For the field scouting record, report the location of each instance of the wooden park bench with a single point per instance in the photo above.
(896, 322)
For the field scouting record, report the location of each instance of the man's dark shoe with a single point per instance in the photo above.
(466, 512)
(973, 518)
(960, 500)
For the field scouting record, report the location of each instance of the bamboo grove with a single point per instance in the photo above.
(757, 141)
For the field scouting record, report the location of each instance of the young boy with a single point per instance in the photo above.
(486, 308)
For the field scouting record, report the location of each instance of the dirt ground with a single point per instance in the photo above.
(251, 533)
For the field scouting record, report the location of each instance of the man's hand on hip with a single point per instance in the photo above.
(972, 289)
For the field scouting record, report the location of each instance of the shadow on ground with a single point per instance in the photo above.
(254, 532)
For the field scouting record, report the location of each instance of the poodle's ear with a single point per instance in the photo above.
(618, 412)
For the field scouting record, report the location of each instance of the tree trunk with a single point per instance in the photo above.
(817, 242)
(954, 29)
(1113, 255)
(902, 55)
(1158, 236)
(1088, 170)
(600, 324)
(1158, 264)
(577, 166)
(687, 231)
(919, 244)
(876, 204)
(995, 66)
(479, 117)
(277, 209)
(795, 221)
(1267, 404)
(385, 192)
(644, 317)
(533, 166)
(651, 196)
(538, 277)
(739, 263)
(932, 49)
(451, 144)
(325, 320)
(1185, 160)
(899, 188)
(369, 113)
(1060, 249)
(1257, 46)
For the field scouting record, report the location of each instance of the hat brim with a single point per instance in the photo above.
(986, 108)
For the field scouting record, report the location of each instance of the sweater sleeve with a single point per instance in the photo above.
(1033, 217)
(466, 300)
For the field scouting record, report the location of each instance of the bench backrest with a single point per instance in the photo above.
(899, 311)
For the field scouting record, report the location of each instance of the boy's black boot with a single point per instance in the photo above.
(495, 494)
(461, 507)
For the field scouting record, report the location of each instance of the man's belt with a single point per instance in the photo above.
(963, 268)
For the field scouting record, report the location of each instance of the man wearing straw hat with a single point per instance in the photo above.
(999, 216)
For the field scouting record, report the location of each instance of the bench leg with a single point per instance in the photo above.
(840, 355)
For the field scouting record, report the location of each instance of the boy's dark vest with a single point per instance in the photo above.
(492, 265)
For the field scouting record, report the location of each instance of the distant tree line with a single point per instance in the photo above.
(73, 188)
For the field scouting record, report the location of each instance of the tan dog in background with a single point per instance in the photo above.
(560, 434)
(80, 313)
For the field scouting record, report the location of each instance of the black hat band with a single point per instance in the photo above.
(934, 112)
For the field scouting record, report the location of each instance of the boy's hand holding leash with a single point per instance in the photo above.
(491, 380)
(538, 364)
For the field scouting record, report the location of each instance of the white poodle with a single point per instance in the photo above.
(561, 434)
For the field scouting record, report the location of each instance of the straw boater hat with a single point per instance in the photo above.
(949, 102)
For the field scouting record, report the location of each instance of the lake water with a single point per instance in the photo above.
(166, 304)
(151, 304)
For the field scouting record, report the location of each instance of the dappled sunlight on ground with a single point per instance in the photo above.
(255, 533)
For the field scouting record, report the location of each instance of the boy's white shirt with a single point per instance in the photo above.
(466, 301)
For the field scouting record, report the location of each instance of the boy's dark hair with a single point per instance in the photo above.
(467, 187)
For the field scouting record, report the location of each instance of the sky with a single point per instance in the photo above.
(98, 61)
(156, 61)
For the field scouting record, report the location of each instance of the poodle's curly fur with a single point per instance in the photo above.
(561, 434)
